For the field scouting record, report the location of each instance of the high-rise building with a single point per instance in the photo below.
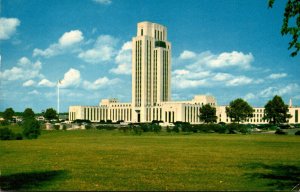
(151, 89)
(151, 67)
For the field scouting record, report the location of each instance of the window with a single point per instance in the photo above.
(142, 32)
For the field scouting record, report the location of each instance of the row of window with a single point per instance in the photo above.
(138, 71)
(191, 114)
(165, 76)
(121, 105)
(153, 114)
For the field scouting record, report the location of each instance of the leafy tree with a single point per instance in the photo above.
(291, 15)
(50, 114)
(208, 114)
(239, 110)
(31, 128)
(276, 111)
(6, 134)
(28, 114)
(8, 114)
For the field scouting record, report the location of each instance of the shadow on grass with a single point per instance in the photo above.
(31, 180)
(281, 177)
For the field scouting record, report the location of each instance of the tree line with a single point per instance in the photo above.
(275, 112)
(31, 127)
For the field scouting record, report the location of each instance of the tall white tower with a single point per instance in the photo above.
(151, 67)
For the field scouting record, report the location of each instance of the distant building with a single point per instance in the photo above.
(151, 89)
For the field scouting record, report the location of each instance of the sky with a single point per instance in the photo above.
(229, 49)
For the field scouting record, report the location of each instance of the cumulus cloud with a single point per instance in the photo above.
(71, 78)
(222, 76)
(67, 42)
(8, 27)
(280, 90)
(29, 83)
(215, 61)
(123, 60)
(249, 96)
(187, 55)
(277, 75)
(70, 38)
(184, 78)
(240, 80)
(103, 50)
(103, 2)
(46, 83)
(100, 83)
(34, 92)
(24, 70)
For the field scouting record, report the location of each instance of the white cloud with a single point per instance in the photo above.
(8, 27)
(187, 83)
(70, 38)
(231, 59)
(240, 80)
(249, 96)
(67, 42)
(104, 2)
(46, 83)
(123, 60)
(71, 78)
(187, 55)
(283, 90)
(222, 77)
(29, 83)
(277, 75)
(103, 50)
(34, 92)
(100, 83)
(24, 71)
(218, 61)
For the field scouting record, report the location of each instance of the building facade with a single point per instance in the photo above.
(151, 89)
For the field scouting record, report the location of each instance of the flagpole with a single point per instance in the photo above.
(58, 99)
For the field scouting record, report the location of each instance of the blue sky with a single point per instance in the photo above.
(228, 49)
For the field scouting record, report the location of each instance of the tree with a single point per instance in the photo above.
(31, 128)
(50, 114)
(208, 114)
(28, 114)
(291, 15)
(239, 110)
(276, 111)
(8, 114)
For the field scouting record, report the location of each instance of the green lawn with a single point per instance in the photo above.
(112, 160)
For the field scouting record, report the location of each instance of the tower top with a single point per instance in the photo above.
(155, 30)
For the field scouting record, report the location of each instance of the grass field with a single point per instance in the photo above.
(113, 160)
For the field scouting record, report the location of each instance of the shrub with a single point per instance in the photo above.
(175, 129)
(146, 127)
(109, 121)
(105, 127)
(280, 132)
(232, 128)
(137, 130)
(31, 129)
(4, 123)
(18, 136)
(284, 126)
(297, 132)
(125, 128)
(156, 128)
(6, 134)
(56, 127)
(169, 130)
(88, 126)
